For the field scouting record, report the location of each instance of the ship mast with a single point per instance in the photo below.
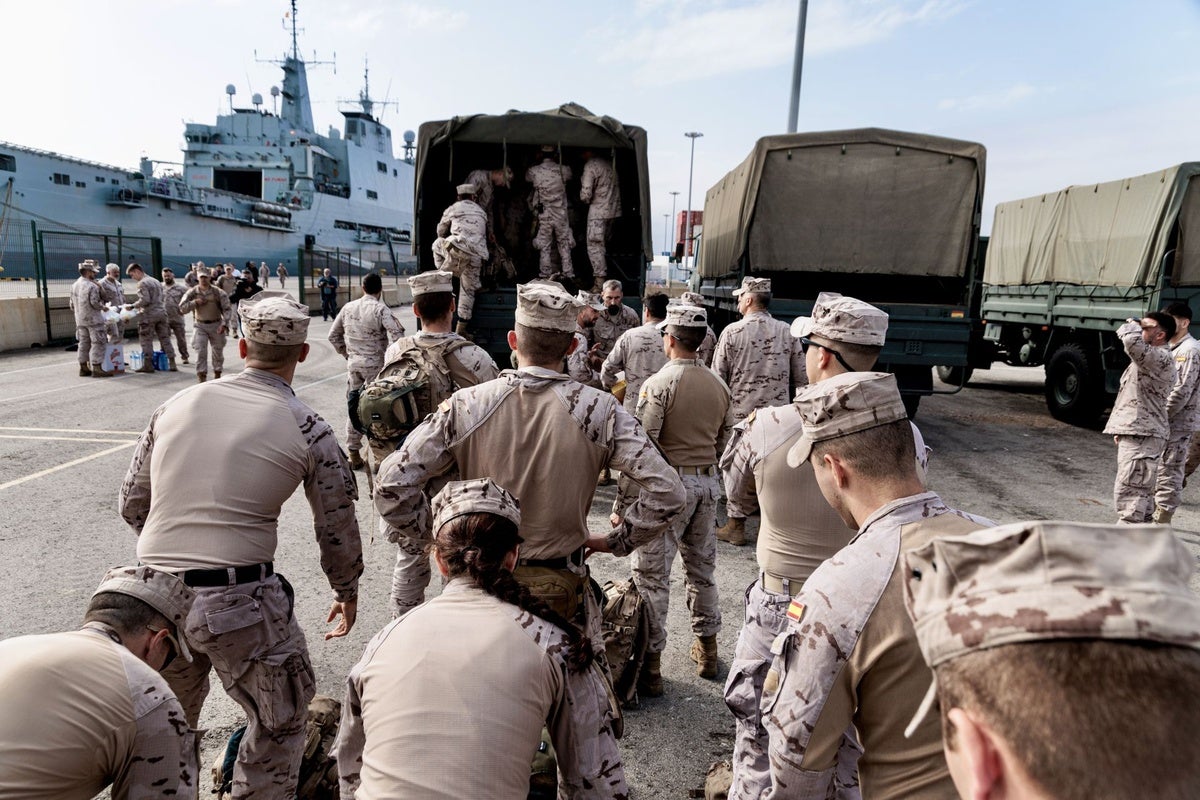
(295, 48)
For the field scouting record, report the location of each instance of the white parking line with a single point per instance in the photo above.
(35, 394)
(76, 462)
(61, 438)
(31, 369)
(70, 430)
(340, 376)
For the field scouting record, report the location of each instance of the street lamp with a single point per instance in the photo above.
(666, 230)
(670, 244)
(693, 135)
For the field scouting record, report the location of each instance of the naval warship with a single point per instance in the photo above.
(256, 185)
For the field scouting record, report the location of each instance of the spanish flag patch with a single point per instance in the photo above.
(795, 611)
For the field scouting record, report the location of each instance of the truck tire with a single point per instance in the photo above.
(954, 376)
(1074, 386)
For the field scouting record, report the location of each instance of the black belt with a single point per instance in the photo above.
(228, 576)
(562, 562)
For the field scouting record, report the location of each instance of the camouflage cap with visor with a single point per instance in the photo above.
(477, 496)
(845, 404)
(843, 319)
(273, 317)
(684, 316)
(545, 305)
(162, 591)
(756, 285)
(431, 282)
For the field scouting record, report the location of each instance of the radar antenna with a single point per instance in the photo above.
(365, 101)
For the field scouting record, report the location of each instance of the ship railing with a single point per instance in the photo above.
(124, 170)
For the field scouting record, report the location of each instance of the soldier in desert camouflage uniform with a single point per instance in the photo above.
(361, 334)
(847, 674)
(709, 346)
(485, 182)
(757, 356)
(152, 318)
(114, 294)
(1183, 414)
(549, 200)
(173, 292)
(88, 709)
(580, 362)
(530, 668)
(615, 318)
(684, 408)
(461, 248)
(598, 189)
(638, 352)
(1138, 423)
(209, 306)
(242, 623)
(1042, 636)
(88, 305)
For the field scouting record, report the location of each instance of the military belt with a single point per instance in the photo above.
(781, 585)
(562, 562)
(708, 470)
(228, 576)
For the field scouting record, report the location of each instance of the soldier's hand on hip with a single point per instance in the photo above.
(348, 611)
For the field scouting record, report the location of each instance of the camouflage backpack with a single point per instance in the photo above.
(626, 627)
(407, 389)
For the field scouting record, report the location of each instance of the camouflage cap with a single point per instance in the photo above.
(477, 496)
(547, 306)
(162, 591)
(843, 319)
(202, 272)
(757, 285)
(591, 299)
(273, 317)
(89, 264)
(684, 316)
(431, 282)
(548, 149)
(690, 299)
(844, 404)
(466, 188)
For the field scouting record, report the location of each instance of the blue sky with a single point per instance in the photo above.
(1060, 92)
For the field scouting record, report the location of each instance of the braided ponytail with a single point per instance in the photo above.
(475, 545)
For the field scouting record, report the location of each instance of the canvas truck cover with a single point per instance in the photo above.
(569, 125)
(1103, 234)
(867, 201)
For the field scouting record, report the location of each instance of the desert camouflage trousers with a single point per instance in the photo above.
(249, 635)
(204, 334)
(554, 232)
(1133, 491)
(92, 339)
(597, 238)
(180, 333)
(467, 267)
(693, 534)
(151, 328)
(1168, 484)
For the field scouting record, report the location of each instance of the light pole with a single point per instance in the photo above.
(797, 66)
(693, 135)
(670, 244)
(666, 230)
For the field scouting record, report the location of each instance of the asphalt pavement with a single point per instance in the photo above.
(65, 444)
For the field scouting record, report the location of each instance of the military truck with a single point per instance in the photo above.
(450, 149)
(1065, 269)
(888, 217)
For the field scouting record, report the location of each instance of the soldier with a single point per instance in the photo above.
(529, 668)
(849, 656)
(90, 329)
(227, 282)
(757, 356)
(799, 530)
(172, 297)
(485, 181)
(192, 278)
(684, 408)
(1183, 414)
(281, 273)
(599, 190)
(615, 319)
(460, 249)
(114, 295)
(361, 334)
(638, 352)
(242, 623)
(264, 272)
(209, 306)
(88, 709)
(1138, 423)
(152, 319)
(549, 199)
(328, 286)
(1043, 636)
(709, 345)
(580, 363)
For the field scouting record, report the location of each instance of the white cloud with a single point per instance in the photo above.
(407, 16)
(678, 41)
(1004, 98)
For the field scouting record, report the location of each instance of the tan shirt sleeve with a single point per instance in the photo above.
(331, 490)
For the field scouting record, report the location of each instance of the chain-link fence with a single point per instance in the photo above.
(348, 267)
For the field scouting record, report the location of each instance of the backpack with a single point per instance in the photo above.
(625, 624)
(407, 390)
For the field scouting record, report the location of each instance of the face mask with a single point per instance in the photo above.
(614, 310)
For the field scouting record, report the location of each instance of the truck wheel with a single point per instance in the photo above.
(1074, 387)
(955, 376)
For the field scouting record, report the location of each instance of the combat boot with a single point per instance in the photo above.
(650, 682)
(98, 371)
(201, 377)
(84, 370)
(147, 367)
(605, 478)
(733, 531)
(356, 461)
(1162, 516)
(704, 653)
(598, 284)
(171, 365)
(216, 374)
(185, 359)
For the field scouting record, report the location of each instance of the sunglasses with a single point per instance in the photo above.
(170, 641)
(806, 343)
